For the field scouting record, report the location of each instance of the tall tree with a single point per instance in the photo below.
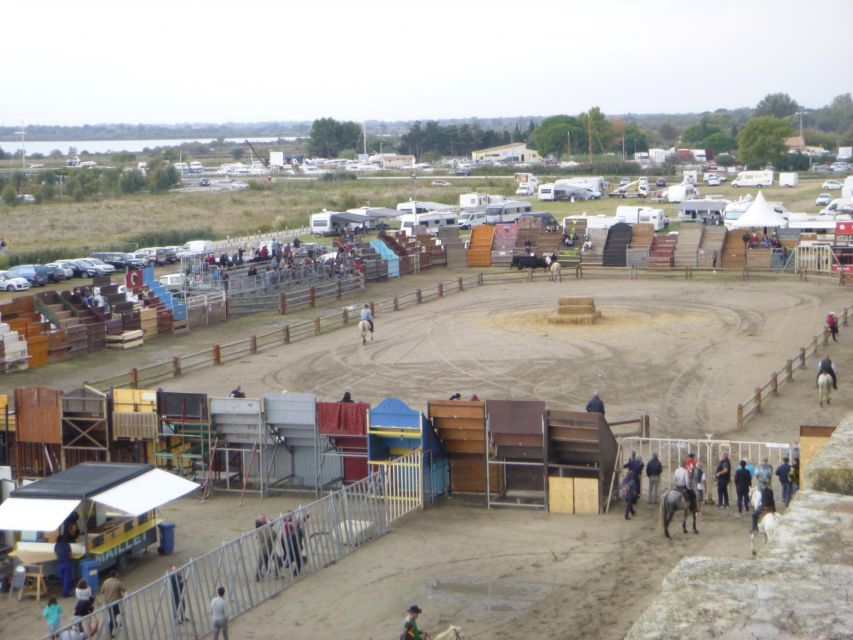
(553, 135)
(602, 131)
(328, 137)
(761, 140)
(779, 105)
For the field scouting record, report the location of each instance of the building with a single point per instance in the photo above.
(507, 153)
(393, 160)
(795, 143)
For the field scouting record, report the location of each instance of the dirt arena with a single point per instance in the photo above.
(683, 352)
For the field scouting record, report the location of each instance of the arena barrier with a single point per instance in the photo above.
(401, 480)
(252, 568)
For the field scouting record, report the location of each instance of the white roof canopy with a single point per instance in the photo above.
(33, 514)
(760, 214)
(146, 492)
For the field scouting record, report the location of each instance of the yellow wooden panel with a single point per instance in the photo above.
(135, 400)
(586, 495)
(561, 495)
(810, 447)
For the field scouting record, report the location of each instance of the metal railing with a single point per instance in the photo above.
(252, 568)
(402, 483)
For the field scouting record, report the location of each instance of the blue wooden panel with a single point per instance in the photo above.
(393, 412)
(389, 256)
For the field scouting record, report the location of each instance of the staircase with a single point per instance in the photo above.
(51, 306)
(388, 256)
(449, 237)
(595, 256)
(662, 252)
(549, 242)
(617, 245)
(759, 258)
(687, 249)
(637, 254)
(527, 234)
(734, 250)
(480, 246)
(713, 238)
(503, 244)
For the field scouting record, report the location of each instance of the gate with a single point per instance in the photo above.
(673, 451)
(252, 568)
(402, 483)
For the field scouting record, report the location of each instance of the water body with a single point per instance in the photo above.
(112, 146)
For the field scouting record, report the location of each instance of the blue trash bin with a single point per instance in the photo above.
(89, 573)
(167, 538)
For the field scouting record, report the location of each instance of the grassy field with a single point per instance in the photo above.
(286, 203)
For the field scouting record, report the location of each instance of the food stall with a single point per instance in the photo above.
(115, 509)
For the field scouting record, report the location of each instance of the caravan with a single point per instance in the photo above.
(753, 179)
(642, 215)
(508, 211)
(414, 224)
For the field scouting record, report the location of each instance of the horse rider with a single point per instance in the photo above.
(832, 325)
(237, 392)
(827, 366)
(768, 505)
(367, 316)
(681, 479)
(595, 405)
(410, 625)
(763, 473)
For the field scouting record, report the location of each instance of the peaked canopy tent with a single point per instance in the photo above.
(760, 214)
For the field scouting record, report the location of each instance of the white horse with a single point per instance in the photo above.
(768, 521)
(555, 270)
(364, 329)
(452, 633)
(824, 383)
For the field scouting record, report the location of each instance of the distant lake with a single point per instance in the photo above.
(113, 146)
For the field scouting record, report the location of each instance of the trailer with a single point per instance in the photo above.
(789, 179)
(753, 179)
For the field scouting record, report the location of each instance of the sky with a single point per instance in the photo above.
(101, 61)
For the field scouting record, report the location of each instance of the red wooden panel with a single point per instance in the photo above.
(355, 469)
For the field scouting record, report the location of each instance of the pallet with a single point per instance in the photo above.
(126, 340)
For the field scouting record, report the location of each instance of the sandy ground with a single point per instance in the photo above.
(685, 353)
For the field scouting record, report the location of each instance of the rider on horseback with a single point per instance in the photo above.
(367, 316)
(682, 483)
(768, 505)
(826, 366)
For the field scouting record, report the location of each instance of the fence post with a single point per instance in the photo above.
(396, 304)
(419, 296)
(339, 290)
(176, 367)
(286, 334)
(317, 327)
(757, 399)
(802, 357)
(480, 279)
(311, 297)
(789, 370)
(282, 304)
(462, 288)
(134, 378)
(346, 316)
(825, 336)
(440, 290)
(372, 308)
(217, 354)
(774, 383)
(579, 272)
(253, 344)
(844, 318)
(740, 416)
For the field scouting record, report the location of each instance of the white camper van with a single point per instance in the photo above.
(471, 219)
(195, 248)
(753, 179)
(641, 215)
(546, 191)
(413, 224)
(475, 200)
(508, 211)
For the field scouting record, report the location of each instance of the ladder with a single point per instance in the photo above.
(248, 472)
(207, 485)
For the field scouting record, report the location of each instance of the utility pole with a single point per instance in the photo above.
(569, 139)
(589, 133)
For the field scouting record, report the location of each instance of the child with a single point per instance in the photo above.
(52, 613)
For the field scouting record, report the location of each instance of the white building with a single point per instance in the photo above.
(507, 153)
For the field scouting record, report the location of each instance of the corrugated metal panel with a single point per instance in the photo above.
(38, 414)
(239, 420)
(84, 400)
(291, 409)
(135, 426)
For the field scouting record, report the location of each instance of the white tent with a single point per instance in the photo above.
(760, 214)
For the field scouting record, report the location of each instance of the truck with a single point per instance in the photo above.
(508, 211)
(753, 179)
(789, 179)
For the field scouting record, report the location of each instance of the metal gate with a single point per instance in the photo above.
(252, 568)
(402, 483)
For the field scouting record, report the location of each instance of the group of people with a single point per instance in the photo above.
(283, 551)
(82, 625)
(753, 241)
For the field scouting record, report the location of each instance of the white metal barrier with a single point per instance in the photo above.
(402, 483)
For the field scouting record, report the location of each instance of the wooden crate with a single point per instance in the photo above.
(127, 340)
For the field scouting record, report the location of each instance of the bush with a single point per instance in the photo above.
(43, 256)
(338, 176)
(169, 237)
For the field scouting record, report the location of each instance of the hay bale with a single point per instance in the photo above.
(566, 319)
(575, 300)
(576, 310)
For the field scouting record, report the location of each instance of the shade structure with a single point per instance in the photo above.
(146, 492)
(31, 514)
(760, 214)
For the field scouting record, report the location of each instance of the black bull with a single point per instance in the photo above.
(528, 262)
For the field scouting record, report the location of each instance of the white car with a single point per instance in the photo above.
(823, 199)
(832, 184)
(440, 183)
(239, 185)
(8, 282)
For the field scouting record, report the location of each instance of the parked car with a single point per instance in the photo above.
(36, 275)
(159, 255)
(67, 270)
(132, 261)
(55, 273)
(462, 172)
(660, 182)
(624, 180)
(832, 184)
(171, 253)
(172, 281)
(239, 185)
(106, 268)
(823, 199)
(440, 183)
(204, 182)
(10, 282)
(88, 268)
(840, 167)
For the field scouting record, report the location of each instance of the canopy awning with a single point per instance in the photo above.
(146, 492)
(34, 514)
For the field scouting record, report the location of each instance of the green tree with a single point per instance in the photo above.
(237, 153)
(123, 157)
(635, 139)
(696, 133)
(9, 195)
(668, 133)
(328, 137)
(762, 140)
(552, 136)
(602, 130)
(162, 176)
(3, 154)
(719, 143)
(778, 105)
(132, 181)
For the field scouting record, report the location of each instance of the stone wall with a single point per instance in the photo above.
(796, 588)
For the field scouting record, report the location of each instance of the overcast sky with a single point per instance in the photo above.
(96, 61)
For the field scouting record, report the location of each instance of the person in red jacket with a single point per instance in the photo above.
(832, 324)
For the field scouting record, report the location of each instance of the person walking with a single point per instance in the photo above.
(635, 465)
(783, 472)
(176, 581)
(743, 483)
(219, 615)
(53, 615)
(629, 492)
(701, 483)
(266, 543)
(64, 564)
(794, 477)
(595, 405)
(654, 469)
(832, 325)
(763, 474)
(113, 591)
(724, 476)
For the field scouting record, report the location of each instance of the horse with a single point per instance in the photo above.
(824, 383)
(671, 502)
(555, 270)
(364, 329)
(452, 633)
(767, 522)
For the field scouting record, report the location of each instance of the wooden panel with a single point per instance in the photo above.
(38, 411)
(516, 416)
(586, 495)
(468, 476)
(561, 495)
(463, 446)
(456, 409)
(817, 431)
(135, 426)
(810, 447)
